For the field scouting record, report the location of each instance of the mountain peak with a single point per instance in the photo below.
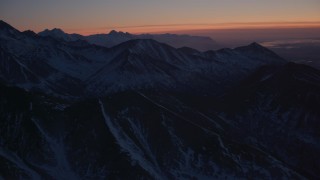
(30, 33)
(4, 25)
(54, 31)
(57, 30)
(118, 33)
(113, 32)
(253, 47)
(256, 50)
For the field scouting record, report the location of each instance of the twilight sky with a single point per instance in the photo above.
(137, 16)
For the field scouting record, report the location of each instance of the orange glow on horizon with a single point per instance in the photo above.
(158, 29)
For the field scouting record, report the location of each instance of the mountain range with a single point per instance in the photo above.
(114, 38)
(71, 108)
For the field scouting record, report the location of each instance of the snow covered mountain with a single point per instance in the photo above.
(279, 109)
(114, 38)
(130, 134)
(146, 110)
(59, 34)
(50, 65)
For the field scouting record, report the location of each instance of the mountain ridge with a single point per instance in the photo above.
(146, 110)
(76, 62)
(116, 37)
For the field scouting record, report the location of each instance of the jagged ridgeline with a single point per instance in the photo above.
(141, 109)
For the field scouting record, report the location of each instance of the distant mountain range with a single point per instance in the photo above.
(53, 65)
(74, 109)
(115, 38)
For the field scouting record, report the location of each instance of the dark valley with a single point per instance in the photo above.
(137, 108)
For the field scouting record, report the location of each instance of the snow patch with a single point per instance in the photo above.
(128, 146)
(62, 169)
(19, 163)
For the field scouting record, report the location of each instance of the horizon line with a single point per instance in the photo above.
(167, 28)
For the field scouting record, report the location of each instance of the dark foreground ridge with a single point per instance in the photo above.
(146, 110)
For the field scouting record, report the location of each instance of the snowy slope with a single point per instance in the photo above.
(130, 134)
(134, 64)
(279, 107)
(146, 110)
